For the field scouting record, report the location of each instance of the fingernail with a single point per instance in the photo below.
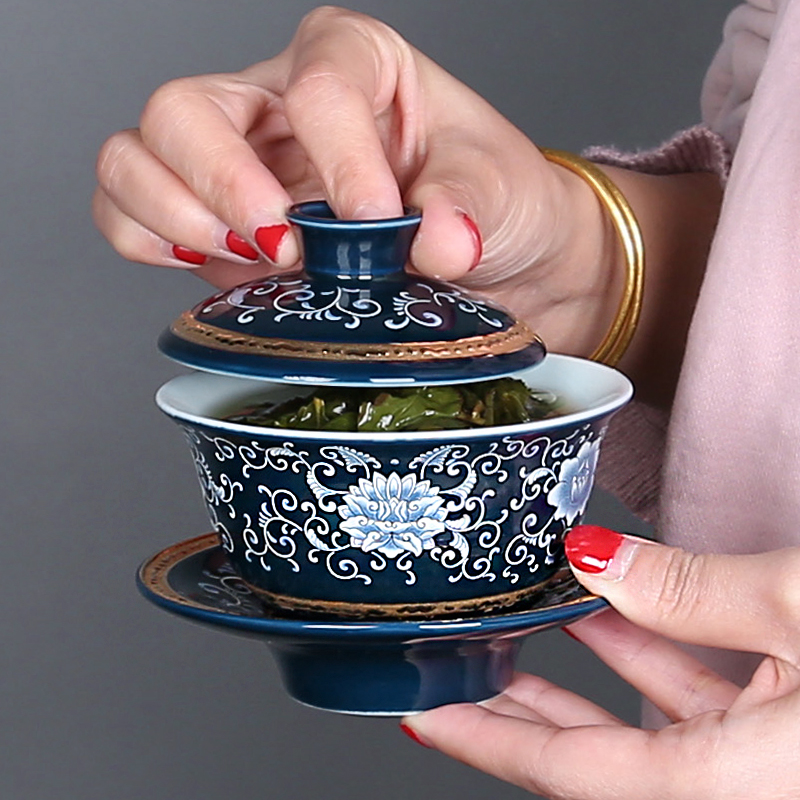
(476, 238)
(413, 735)
(269, 239)
(240, 247)
(572, 635)
(599, 551)
(188, 256)
(370, 211)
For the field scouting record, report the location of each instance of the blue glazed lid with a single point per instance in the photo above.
(352, 316)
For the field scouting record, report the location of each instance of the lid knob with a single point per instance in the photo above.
(352, 249)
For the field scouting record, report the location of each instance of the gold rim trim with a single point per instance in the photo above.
(516, 338)
(491, 604)
(154, 573)
(624, 324)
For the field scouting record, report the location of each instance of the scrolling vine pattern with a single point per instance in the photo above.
(446, 507)
(296, 299)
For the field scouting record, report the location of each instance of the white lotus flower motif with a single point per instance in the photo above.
(576, 477)
(392, 514)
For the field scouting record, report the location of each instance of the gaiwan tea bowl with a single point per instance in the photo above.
(397, 525)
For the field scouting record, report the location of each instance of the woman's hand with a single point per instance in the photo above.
(352, 112)
(724, 741)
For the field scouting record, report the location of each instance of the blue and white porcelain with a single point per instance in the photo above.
(376, 668)
(353, 316)
(381, 525)
(397, 524)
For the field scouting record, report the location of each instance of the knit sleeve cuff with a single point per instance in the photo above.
(696, 149)
(631, 459)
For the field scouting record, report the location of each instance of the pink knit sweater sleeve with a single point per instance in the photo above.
(633, 453)
(731, 476)
(697, 149)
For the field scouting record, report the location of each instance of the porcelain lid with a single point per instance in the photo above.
(353, 316)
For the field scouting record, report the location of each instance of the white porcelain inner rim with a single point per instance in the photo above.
(593, 389)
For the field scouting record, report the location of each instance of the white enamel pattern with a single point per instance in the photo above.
(397, 518)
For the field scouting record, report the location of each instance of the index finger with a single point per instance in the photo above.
(197, 127)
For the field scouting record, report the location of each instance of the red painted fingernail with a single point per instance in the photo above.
(269, 239)
(413, 735)
(591, 548)
(189, 256)
(476, 238)
(237, 245)
(572, 635)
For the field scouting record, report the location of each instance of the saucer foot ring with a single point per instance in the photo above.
(369, 667)
(395, 679)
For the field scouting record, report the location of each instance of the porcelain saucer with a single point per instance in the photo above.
(385, 668)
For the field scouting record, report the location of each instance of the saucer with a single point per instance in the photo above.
(386, 668)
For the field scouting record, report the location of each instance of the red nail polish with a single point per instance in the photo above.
(590, 548)
(476, 238)
(413, 735)
(237, 245)
(189, 256)
(269, 239)
(572, 635)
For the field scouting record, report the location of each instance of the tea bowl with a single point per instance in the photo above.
(407, 525)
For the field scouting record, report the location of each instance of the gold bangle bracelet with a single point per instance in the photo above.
(621, 331)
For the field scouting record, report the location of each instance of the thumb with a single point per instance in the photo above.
(449, 243)
(747, 603)
(500, 207)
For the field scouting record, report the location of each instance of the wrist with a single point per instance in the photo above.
(678, 215)
(587, 265)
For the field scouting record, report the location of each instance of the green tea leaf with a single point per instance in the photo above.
(504, 401)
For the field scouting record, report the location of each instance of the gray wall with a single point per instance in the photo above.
(102, 695)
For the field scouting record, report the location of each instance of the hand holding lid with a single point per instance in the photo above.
(353, 316)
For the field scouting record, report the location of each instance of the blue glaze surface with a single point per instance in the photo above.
(382, 668)
(318, 372)
(397, 521)
(353, 249)
(468, 516)
(353, 292)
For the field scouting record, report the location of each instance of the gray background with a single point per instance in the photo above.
(102, 695)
